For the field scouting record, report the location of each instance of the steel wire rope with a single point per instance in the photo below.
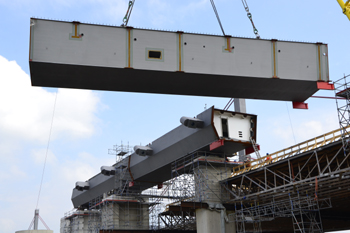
(217, 16)
(128, 13)
(291, 125)
(47, 150)
(250, 17)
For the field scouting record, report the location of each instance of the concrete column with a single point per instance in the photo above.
(130, 214)
(65, 225)
(209, 221)
(207, 187)
(208, 190)
(92, 221)
(110, 216)
(240, 106)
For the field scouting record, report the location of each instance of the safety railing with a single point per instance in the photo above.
(290, 151)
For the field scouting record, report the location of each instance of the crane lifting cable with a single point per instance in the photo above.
(228, 105)
(250, 17)
(128, 13)
(217, 16)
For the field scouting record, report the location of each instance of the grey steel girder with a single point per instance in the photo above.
(223, 131)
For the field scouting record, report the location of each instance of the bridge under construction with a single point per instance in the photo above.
(304, 188)
(206, 175)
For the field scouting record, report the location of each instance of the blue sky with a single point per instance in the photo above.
(88, 123)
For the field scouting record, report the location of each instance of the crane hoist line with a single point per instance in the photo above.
(250, 17)
(244, 2)
(217, 16)
(128, 13)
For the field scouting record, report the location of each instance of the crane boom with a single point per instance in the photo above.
(345, 7)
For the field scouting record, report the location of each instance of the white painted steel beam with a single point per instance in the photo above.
(86, 56)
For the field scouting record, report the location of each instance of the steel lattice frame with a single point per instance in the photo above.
(192, 182)
(342, 89)
(315, 175)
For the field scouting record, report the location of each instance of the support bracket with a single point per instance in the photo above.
(325, 86)
(216, 144)
(300, 105)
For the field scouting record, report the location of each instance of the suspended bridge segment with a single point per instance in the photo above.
(87, 56)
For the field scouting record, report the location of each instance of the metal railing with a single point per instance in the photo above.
(290, 151)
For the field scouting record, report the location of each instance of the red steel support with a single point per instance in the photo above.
(300, 105)
(325, 86)
(216, 144)
(251, 149)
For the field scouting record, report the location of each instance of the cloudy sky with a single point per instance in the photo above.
(88, 123)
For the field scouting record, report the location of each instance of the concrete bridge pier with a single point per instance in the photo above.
(208, 190)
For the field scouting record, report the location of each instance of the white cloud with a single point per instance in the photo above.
(279, 133)
(25, 120)
(305, 129)
(26, 111)
(13, 173)
(39, 155)
(276, 132)
(55, 194)
(82, 168)
(7, 225)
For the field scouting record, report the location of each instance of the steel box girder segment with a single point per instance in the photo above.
(85, 56)
(148, 171)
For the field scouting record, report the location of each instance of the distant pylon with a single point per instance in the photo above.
(35, 221)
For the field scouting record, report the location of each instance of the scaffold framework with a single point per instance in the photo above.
(342, 90)
(297, 186)
(195, 182)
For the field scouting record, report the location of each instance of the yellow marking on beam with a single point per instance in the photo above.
(30, 44)
(180, 52)
(129, 48)
(319, 62)
(76, 31)
(274, 59)
(228, 43)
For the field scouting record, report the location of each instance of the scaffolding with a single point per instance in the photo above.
(80, 221)
(342, 90)
(128, 206)
(194, 183)
(121, 151)
(94, 217)
(297, 187)
(303, 209)
(196, 176)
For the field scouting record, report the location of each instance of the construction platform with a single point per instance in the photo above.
(301, 187)
(97, 57)
(310, 187)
